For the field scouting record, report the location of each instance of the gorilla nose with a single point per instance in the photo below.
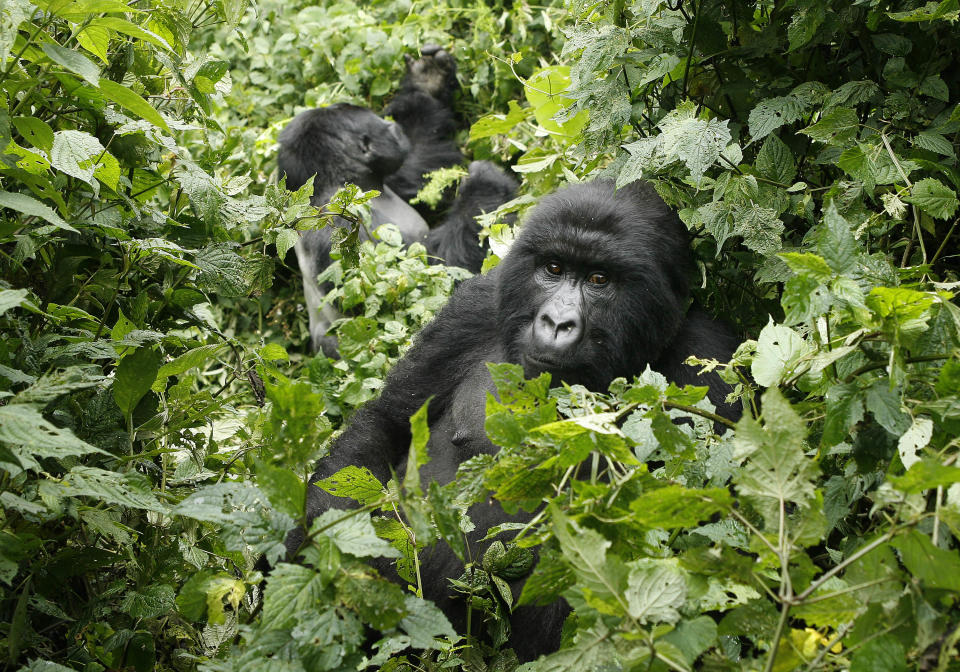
(557, 328)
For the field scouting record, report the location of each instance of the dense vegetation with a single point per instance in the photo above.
(159, 413)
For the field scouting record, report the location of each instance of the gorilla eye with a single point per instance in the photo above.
(598, 278)
(553, 268)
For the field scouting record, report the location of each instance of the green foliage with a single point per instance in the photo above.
(159, 420)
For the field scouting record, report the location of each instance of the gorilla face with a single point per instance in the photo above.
(595, 285)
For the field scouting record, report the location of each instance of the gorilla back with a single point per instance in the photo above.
(339, 144)
(594, 288)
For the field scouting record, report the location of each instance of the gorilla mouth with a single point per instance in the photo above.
(534, 365)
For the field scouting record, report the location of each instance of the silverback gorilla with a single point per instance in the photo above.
(342, 143)
(594, 287)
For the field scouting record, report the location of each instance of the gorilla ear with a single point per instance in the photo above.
(409, 60)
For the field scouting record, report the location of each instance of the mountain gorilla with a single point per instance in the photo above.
(424, 109)
(342, 143)
(455, 241)
(594, 287)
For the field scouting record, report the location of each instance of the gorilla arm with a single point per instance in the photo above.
(378, 435)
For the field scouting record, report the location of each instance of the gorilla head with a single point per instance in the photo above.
(340, 143)
(595, 286)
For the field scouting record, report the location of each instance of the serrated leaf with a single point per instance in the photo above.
(676, 506)
(352, 534)
(131, 489)
(73, 61)
(772, 113)
(775, 161)
(292, 589)
(23, 425)
(133, 102)
(934, 198)
(655, 592)
(836, 127)
(883, 653)
(934, 142)
(76, 153)
(152, 602)
(286, 239)
(355, 482)
(34, 208)
(424, 623)
(760, 228)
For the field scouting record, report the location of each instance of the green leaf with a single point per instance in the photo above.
(131, 489)
(424, 622)
(152, 602)
(352, 534)
(191, 359)
(884, 653)
(192, 600)
(12, 298)
(292, 589)
(775, 161)
(676, 506)
(420, 437)
(285, 490)
(234, 11)
(286, 239)
(134, 375)
(33, 208)
(544, 91)
(23, 425)
(132, 101)
(931, 196)
(95, 39)
(35, 131)
(602, 579)
(844, 410)
(73, 61)
(127, 28)
(837, 127)
(934, 566)
(760, 228)
(75, 153)
(499, 124)
(221, 588)
(779, 348)
(926, 474)
(804, 25)
(776, 468)
(772, 113)
(656, 590)
(355, 482)
(835, 241)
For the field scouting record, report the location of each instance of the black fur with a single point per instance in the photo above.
(342, 143)
(424, 109)
(597, 332)
(455, 241)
